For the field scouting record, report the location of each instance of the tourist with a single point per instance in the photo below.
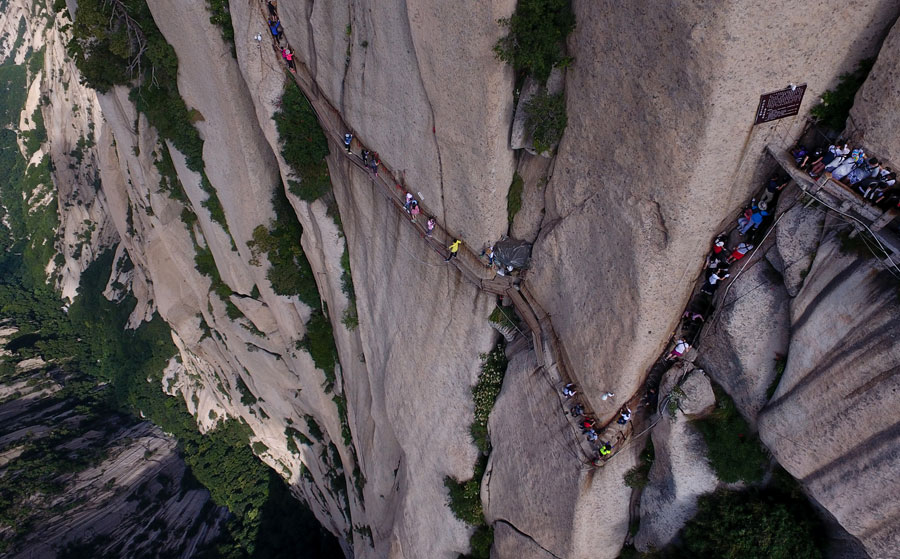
(739, 252)
(591, 435)
(607, 396)
(365, 157)
(276, 29)
(865, 170)
(407, 202)
(569, 390)
(587, 424)
(289, 57)
(414, 211)
(605, 449)
(850, 163)
(624, 415)
(375, 163)
(348, 140)
(429, 226)
(273, 10)
(489, 252)
(773, 187)
(752, 217)
(453, 248)
(681, 347)
(577, 410)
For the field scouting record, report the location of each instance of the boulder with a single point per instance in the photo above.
(797, 238)
(680, 473)
(752, 327)
(831, 422)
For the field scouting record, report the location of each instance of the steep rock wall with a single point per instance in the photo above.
(830, 422)
(653, 160)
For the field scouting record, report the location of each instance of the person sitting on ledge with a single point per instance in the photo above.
(865, 170)
(856, 156)
(569, 390)
(624, 415)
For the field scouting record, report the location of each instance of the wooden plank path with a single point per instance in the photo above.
(552, 359)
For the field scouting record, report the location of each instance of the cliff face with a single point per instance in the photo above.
(121, 489)
(658, 152)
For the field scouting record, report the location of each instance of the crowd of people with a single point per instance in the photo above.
(588, 423)
(859, 171)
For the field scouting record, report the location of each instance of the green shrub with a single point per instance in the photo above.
(341, 403)
(259, 447)
(506, 317)
(536, 36)
(514, 197)
(485, 393)
(638, 476)
(350, 318)
(734, 450)
(247, 397)
(319, 342)
(465, 497)
(313, 427)
(303, 144)
(220, 16)
(289, 272)
(752, 525)
(480, 542)
(546, 119)
(836, 103)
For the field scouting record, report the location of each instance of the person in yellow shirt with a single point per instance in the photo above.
(453, 248)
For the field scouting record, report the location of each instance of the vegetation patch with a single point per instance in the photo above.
(115, 368)
(485, 393)
(319, 342)
(303, 144)
(734, 450)
(118, 43)
(536, 36)
(350, 318)
(638, 476)
(289, 272)
(546, 119)
(464, 498)
(220, 16)
(836, 103)
(514, 196)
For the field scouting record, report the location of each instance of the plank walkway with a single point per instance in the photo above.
(551, 356)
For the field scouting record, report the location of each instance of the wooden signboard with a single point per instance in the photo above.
(779, 104)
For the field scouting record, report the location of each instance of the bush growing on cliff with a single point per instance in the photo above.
(319, 342)
(220, 16)
(734, 450)
(117, 43)
(289, 271)
(546, 119)
(536, 36)
(303, 144)
(836, 103)
(752, 524)
(514, 197)
(485, 393)
(638, 476)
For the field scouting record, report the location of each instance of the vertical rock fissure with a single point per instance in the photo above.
(437, 145)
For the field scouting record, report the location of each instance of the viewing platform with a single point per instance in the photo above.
(844, 198)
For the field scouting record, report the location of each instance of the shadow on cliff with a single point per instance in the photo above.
(288, 529)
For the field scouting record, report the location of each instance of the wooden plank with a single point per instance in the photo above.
(538, 348)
